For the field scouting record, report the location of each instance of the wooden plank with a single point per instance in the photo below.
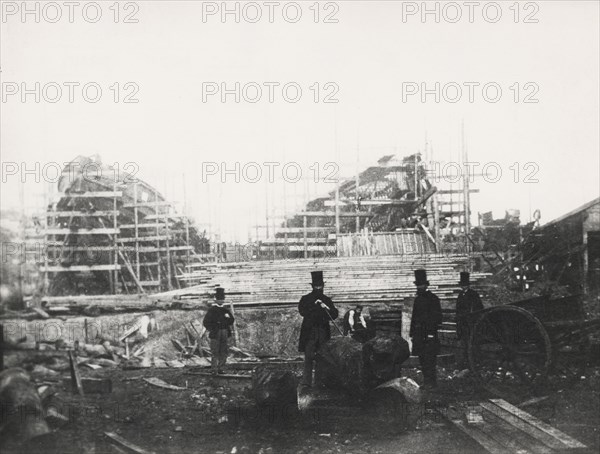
(41, 312)
(161, 249)
(79, 268)
(503, 438)
(162, 384)
(209, 374)
(131, 272)
(480, 437)
(375, 202)
(291, 241)
(456, 191)
(300, 248)
(526, 441)
(126, 444)
(91, 194)
(75, 377)
(162, 216)
(142, 226)
(302, 229)
(547, 434)
(69, 248)
(327, 214)
(99, 231)
(150, 283)
(75, 214)
(143, 238)
(146, 204)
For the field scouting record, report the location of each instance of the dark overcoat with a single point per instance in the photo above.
(424, 324)
(314, 316)
(215, 319)
(468, 301)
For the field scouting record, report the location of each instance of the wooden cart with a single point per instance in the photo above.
(519, 345)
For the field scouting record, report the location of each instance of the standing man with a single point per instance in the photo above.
(317, 310)
(218, 321)
(424, 325)
(468, 301)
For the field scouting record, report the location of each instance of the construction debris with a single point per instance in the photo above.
(22, 411)
(120, 441)
(162, 384)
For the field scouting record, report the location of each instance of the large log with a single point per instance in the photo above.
(22, 415)
(358, 368)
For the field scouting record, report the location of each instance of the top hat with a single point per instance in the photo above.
(421, 277)
(317, 278)
(464, 279)
(220, 294)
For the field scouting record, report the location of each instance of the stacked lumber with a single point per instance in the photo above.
(370, 279)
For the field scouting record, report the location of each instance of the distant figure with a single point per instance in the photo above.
(218, 321)
(468, 301)
(355, 324)
(424, 325)
(317, 310)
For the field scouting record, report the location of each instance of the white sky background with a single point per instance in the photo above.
(369, 53)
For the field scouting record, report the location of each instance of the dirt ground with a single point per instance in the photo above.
(218, 415)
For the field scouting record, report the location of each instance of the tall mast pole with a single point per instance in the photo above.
(466, 200)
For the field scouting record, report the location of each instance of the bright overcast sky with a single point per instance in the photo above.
(365, 56)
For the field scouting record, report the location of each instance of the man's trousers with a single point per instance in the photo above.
(219, 349)
(428, 367)
(315, 340)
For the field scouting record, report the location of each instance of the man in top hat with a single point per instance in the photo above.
(424, 325)
(468, 301)
(317, 310)
(218, 321)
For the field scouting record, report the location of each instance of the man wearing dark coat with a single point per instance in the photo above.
(424, 325)
(218, 321)
(317, 310)
(468, 301)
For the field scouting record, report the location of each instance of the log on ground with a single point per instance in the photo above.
(358, 368)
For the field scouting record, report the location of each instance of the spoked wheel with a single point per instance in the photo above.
(509, 351)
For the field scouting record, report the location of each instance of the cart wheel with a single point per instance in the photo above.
(509, 350)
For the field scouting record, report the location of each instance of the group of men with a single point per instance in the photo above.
(318, 310)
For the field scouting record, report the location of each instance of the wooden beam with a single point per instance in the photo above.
(456, 191)
(141, 226)
(327, 214)
(75, 377)
(146, 204)
(302, 230)
(75, 214)
(309, 240)
(149, 283)
(79, 268)
(547, 434)
(375, 202)
(98, 231)
(126, 444)
(144, 238)
(161, 217)
(92, 194)
(300, 248)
